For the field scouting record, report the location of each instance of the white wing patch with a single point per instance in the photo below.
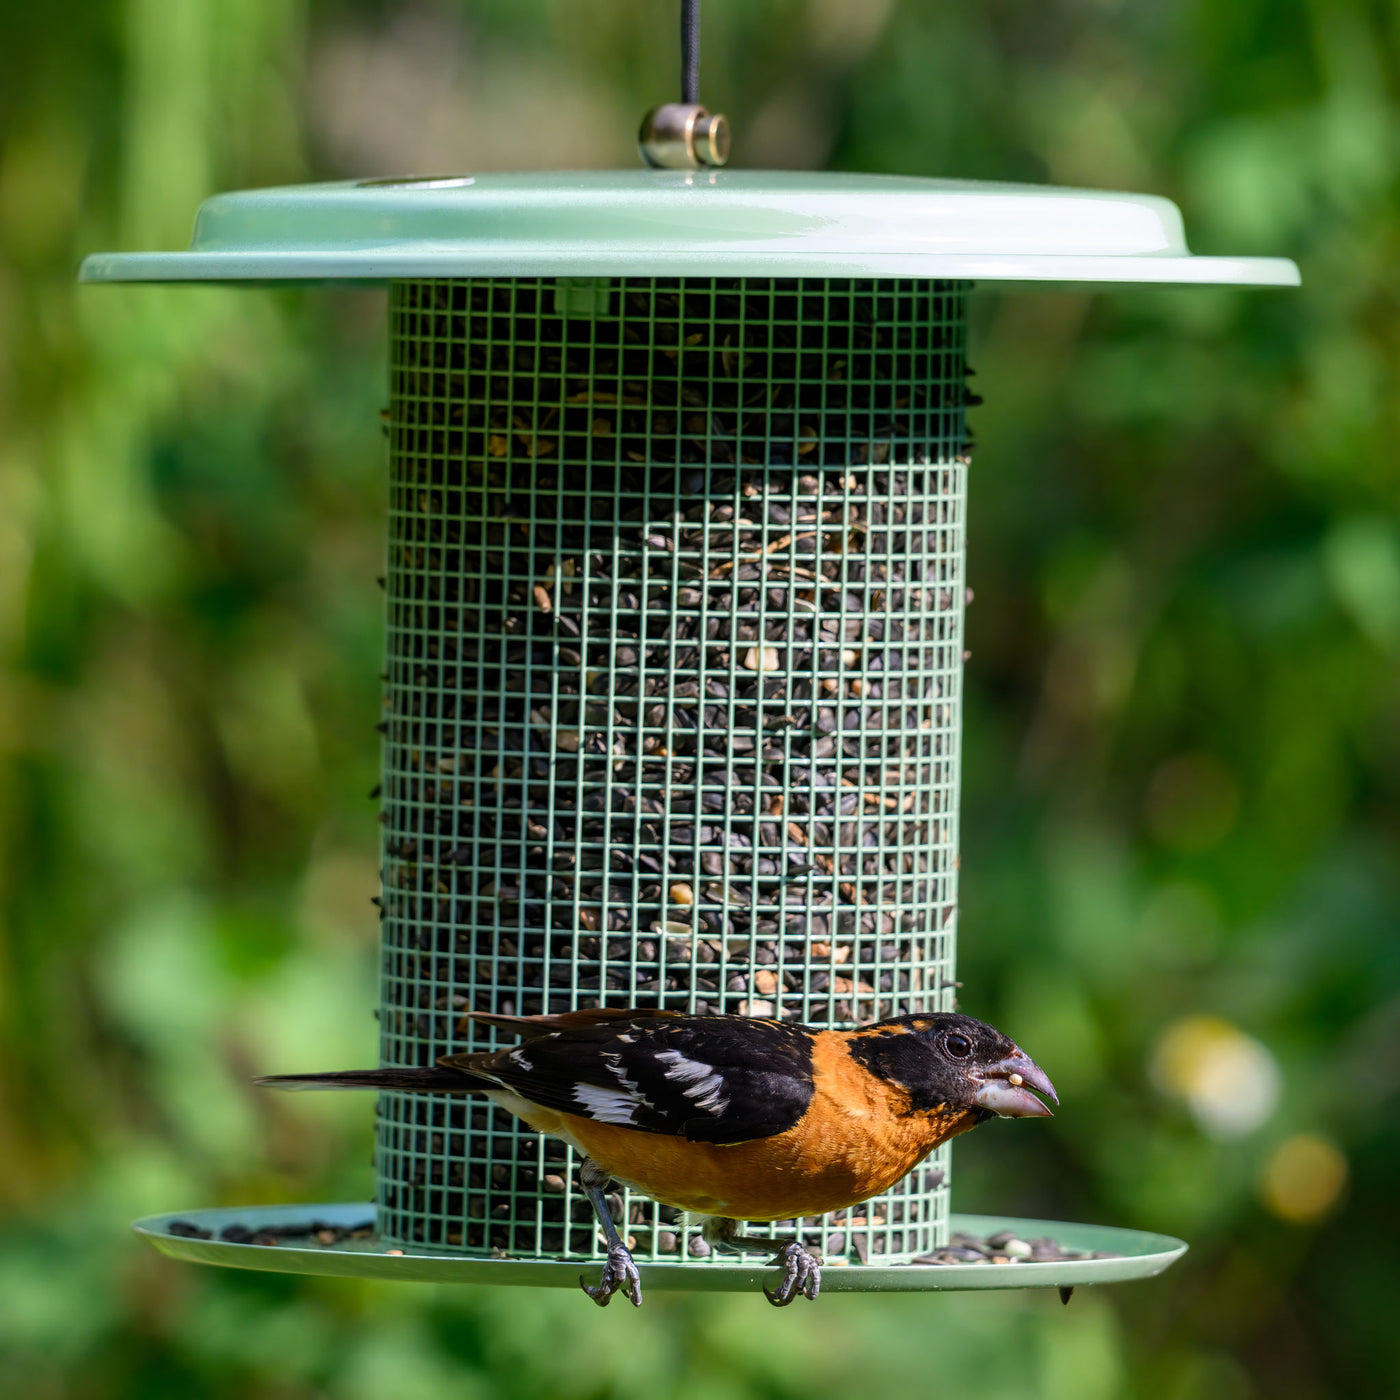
(630, 1085)
(699, 1082)
(606, 1105)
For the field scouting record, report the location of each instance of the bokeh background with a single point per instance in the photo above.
(1180, 872)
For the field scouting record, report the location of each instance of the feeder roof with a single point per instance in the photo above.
(735, 223)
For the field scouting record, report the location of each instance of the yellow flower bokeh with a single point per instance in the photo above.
(1228, 1079)
(1304, 1178)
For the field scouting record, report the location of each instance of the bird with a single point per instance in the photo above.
(733, 1118)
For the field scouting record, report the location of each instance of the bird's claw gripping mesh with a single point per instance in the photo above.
(675, 641)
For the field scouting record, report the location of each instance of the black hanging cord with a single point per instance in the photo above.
(690, 51)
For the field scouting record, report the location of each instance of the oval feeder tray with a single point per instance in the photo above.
(1128, 1255)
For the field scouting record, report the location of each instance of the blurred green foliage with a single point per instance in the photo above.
(1183, 734)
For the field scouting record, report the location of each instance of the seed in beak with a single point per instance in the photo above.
(1015, 1079)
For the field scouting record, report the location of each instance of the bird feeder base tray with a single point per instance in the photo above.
(1132, 1254)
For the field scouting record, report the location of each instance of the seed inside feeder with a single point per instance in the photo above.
(784, 487)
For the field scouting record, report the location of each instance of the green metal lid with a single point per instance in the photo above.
(703, 223)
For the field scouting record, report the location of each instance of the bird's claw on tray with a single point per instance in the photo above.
(619, 1275)
(801, 1274)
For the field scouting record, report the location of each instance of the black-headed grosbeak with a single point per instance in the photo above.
(734, 1118)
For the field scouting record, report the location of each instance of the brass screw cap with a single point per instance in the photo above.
(683, 136)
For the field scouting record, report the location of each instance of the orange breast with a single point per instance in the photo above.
(855, 1141)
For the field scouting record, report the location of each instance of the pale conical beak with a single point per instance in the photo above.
(1006, 1088)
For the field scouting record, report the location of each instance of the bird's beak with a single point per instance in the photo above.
(1006, 1087)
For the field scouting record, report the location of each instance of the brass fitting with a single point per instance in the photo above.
(683, 136)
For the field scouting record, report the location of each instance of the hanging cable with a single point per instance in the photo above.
(690, 51)
(683, 135)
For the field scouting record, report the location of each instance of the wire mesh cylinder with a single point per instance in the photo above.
(675, 621)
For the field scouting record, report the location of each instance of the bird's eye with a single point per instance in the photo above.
(958, 1046)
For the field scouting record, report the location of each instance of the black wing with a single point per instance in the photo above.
(720, 1079)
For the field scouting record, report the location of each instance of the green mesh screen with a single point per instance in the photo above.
(675, 640)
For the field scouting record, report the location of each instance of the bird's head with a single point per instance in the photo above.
(945, 1059)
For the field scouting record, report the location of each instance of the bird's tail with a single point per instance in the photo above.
(421, 1081)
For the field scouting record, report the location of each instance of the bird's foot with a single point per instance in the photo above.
(802, 1273)
(619, 1274)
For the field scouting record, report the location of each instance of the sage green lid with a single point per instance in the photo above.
(706, 223)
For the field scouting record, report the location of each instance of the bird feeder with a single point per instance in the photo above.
(676, 578)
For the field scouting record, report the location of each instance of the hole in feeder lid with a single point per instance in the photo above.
(417, 182)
